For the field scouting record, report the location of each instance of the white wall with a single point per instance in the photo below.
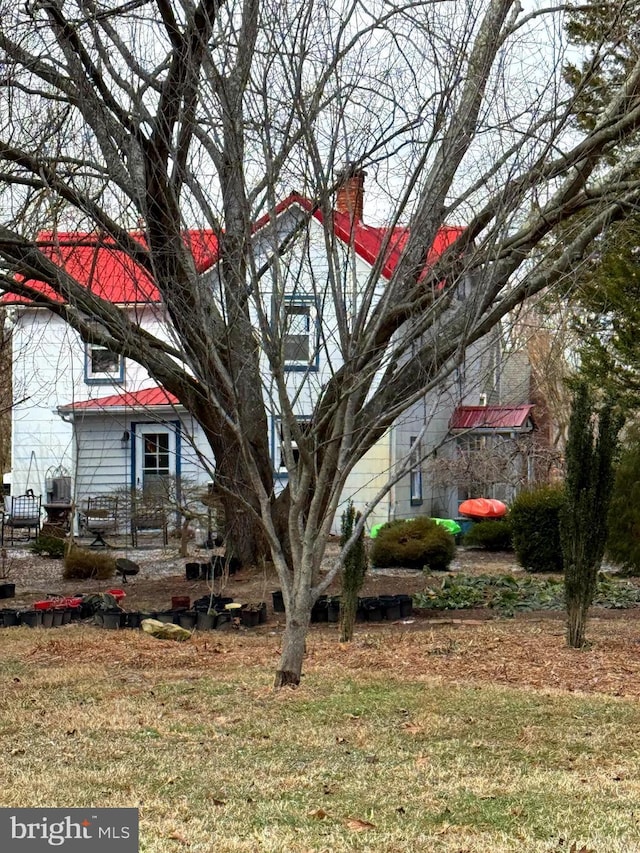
(49, 371)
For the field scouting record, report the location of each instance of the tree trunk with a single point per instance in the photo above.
(576, 624)
(293, 648)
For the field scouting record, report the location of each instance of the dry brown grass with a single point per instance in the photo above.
(464, 738)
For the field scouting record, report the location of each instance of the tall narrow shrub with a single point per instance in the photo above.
(591, 446)
(623, 544)
(353, 574)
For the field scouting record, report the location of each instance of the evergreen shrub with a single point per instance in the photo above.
(490, 535)
(535, 529)
(418, 543)
(623, 543)
(49, 546)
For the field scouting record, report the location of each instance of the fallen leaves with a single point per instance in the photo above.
(356, 824)
(175, 836)
(319, 814)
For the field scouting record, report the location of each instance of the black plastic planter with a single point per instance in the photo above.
(406, 605)
(187, 619)
(373, 609)
(47, 618)
(192, 571)
(262, 612)
(134, 618)
(333, 610)
(166, 616)
(223, 621)
(9, 618)
(7, 590)
(278, 601)
(320, 610)
(205, 621)
(31, 618)
(390, 607)
(250, 617)
(58, 616)
(112, 619)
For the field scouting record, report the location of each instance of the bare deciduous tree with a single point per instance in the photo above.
(181, 115)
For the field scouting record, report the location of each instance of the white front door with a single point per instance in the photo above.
(155, 457)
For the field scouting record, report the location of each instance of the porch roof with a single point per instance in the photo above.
(492, 417)
(148, 398)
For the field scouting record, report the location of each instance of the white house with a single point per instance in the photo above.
(82, 410)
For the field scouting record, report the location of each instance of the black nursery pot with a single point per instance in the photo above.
(333, 610)
(250, 618)
(262, 612)
(47, 618)
(192, 571)
(31, 618)
(320, 610)
(7, 590)
(112, 619)
(187, 619)
(58, 617)
(373, 609)
(205, 621)
(406, 605)
(278, 601)
(134, 618)
(390, 607)
(9, 618)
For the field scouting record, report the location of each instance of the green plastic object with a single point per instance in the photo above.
(452, 526)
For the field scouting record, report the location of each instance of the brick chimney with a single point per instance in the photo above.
(350, 193)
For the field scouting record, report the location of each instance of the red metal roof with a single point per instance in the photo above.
(490, 417)
(98, 264)
(148, 398)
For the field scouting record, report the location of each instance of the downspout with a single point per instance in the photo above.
(391, 498)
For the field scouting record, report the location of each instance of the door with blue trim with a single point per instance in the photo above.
(155, 458)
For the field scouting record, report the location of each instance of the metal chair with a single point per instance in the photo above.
(22, 513)
(148, 514)
(101, 516)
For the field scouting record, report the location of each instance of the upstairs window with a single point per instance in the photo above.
(102, 365)
(279, 455)
(299, 339)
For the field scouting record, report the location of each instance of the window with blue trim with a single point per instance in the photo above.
(279, 463)
(299, 338)
(102, 365)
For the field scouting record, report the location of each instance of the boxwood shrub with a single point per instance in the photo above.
(417, 543)
(535, 529)
(494, 535)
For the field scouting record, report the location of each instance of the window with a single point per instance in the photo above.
(416, 472)
(471, 442)
(279, 454)
(299, 336)
(102, 365)
(155, 461)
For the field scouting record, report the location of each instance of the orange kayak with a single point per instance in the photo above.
(482, 508)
